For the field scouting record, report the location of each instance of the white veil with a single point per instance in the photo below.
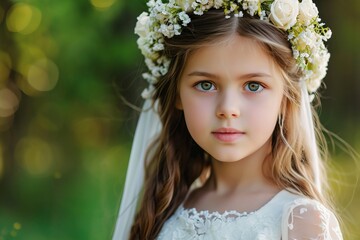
(147, 128)
(307, 120)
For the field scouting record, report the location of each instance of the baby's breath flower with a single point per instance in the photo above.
(327, 35)
(184, 4)
(218, 3)
(184, 18)
(148, 92)
(203, 2)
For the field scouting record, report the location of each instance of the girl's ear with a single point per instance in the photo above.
(178, 103)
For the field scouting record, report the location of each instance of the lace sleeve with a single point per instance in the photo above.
(309, 219)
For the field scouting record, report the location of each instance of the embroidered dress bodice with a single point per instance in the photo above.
(286, 216)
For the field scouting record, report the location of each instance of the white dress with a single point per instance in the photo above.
(286, 216)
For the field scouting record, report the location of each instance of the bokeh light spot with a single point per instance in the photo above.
(13, 233)
(9, 102)
(17, 226)
(35, 155)
(23, 18)
(43, 75)
(57, 175)
(102, 4)
(90, 132)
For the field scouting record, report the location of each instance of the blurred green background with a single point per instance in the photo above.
(65, 131)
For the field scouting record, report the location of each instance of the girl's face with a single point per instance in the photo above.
(231, 95)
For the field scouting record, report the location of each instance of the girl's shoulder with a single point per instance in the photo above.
(305, 218)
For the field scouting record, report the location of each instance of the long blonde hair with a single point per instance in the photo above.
(171, 171)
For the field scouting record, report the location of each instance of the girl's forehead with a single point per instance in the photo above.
(237, 52)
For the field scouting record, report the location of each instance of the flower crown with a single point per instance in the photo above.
(300, 20)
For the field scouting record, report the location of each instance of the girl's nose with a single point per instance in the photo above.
(228, 105)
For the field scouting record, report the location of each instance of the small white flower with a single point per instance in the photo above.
(296, 53)
(158, 47)
(150, 54)
(163, 71)
(306, 39)
(194, 5)
(177, 29)
(156, 72)
(203, 2)
(233, 6)
(218, 3)
(328, 35)
(240, 14)
(167, 30)
(185, 4)
(252, 6)
(291, 35)
(263, 15)
(307, 12)
(142, 25)
(184, 18)
(151, 3)
(199, 12)
(304, 55)
(149, 63)
(284, 13)
(150, 78)
(148, 92)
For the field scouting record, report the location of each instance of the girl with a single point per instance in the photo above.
(236, 156)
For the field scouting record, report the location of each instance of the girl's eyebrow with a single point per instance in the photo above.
(255, 75)
(245, 76)
(202, 74)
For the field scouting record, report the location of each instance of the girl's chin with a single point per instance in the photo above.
(228, 159)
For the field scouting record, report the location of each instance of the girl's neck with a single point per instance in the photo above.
(239, 185)
(245, 175)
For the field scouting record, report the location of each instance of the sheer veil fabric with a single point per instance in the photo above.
(307, 120)
(148, 128)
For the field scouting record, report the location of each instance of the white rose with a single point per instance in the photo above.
(142, 25)
(185, 4)
(307, 11)
(284, 13)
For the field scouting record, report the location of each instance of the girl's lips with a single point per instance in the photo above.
(227, 134)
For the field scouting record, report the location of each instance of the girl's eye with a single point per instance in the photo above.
(205, 86)
(254, 87)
